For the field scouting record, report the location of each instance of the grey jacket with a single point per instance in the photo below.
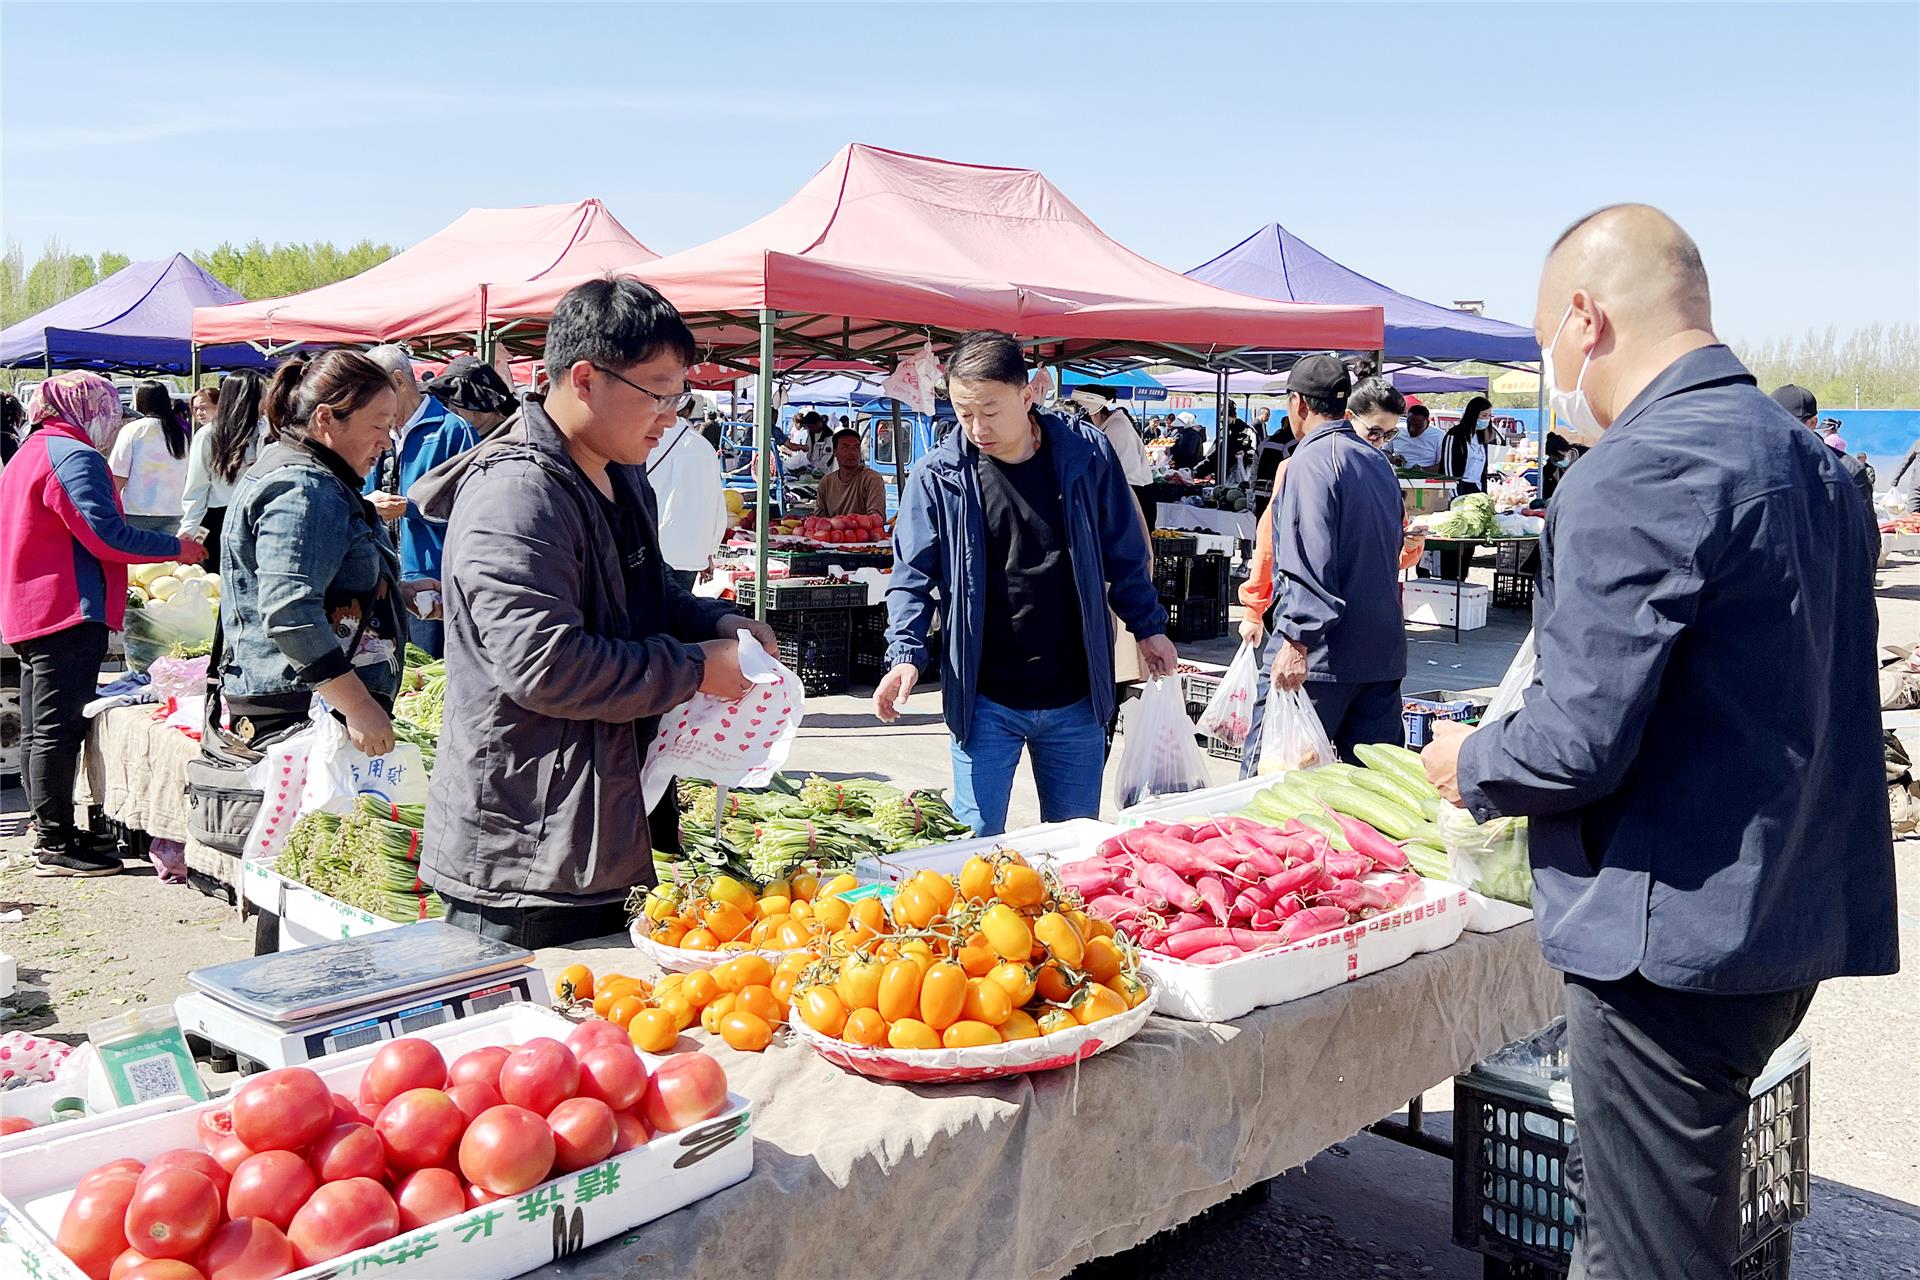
(300, 548)
(552, 680)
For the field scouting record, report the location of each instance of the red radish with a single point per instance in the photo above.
(1176, 855)
(1348, 866)
(1400, 888)
(1090, 878)
(1309, 921)
(1169, 888)
(1188, 920)
(1113, 907)
(1292, 880)
(1214, 895)
(1215, 955)
(1365, 839)
(1265, 862)
(1178, 831)
(1182, 945)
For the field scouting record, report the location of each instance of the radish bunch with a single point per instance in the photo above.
(1226, 887)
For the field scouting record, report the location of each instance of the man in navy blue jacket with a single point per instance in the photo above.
(1700, 757)
(1336, 567)
(1021, 525)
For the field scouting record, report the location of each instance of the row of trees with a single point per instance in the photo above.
(1875, 367)
(257, 270)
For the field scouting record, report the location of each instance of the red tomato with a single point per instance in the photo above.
(540, 1076)
(400, 1065)
(163, 1269)
(247, 1249)
(230, 1153)
(481, 1066)
(125, 1263)
(187, 1158)
(614, 1074)
(686, 1089)
(478, 1195)
(630, 1131)
(342, 1217)
(474, 1097)
(92, 1231)
(348, 1151)
(283, 1110)
(595, 1032)
(173, 1212)
(270, 1185)
(421, 1127)
(214, 1124)
(345, 1110)
(14, 1124)
(428, 1195)
(125, 1164)
(507, 1150)
(583, 1133)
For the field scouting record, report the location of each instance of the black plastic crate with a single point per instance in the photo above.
(1418, 711)
(1512, 590)
(1517, 556)
(817, 645)
(1169, 545)
(794, 594)
(851, 560)
(870, 644)
(1510, 1143)
(1208, 575)
(1195, 618)
(1170, 575)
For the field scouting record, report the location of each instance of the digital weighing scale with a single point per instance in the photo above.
(294, 1006)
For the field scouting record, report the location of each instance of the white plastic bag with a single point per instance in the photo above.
(1291, 735)
(1161, 757)
(1229, 713)
(1491, 857)
(339, 773)
(1513, 686)
(733, 744)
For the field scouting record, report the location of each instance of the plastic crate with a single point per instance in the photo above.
(1419, 712)
(851, 560)
(1209, 574)
(1432, 602)
(1514, 1125)
(1170, 545)
(1512, 590)
(1517, 556)
(1170, 574)
(869, 644)
(794, 594)
(1195, 618)
(817, 645)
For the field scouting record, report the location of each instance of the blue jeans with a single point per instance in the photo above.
(1068, 746)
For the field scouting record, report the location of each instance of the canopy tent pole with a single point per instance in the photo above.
(1220, 402)
(763, 443)
(193, 366)
(1540, 421)
(483, 336)
(899, 460)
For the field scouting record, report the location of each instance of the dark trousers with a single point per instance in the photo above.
(1149, 506)
(1660, 1083)
(1356, 713)
(59, 675)
(685, 577)
(213, 522)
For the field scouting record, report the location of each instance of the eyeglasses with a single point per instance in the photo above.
(675, 402)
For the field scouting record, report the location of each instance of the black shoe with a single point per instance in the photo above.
(75, 863)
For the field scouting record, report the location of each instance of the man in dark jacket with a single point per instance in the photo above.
(1336, 567)
(1799, 402)
(1702, 856)
(1022, 527)
(567, 638)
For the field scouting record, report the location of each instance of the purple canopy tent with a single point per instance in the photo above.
(1406, 378)
(139, 319)
(1276, 264)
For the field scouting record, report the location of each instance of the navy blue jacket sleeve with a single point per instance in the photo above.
(1128, 555)
(1605, 632)
(916, 572)
(1304, 548)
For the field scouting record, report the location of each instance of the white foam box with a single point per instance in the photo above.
(38, 1170)
(1050, 841)
(1430, 602)
(306, 915)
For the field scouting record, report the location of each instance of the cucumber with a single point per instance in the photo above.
(1393, 788)
(1398, 761)
(1385, 816)
(1427, 860)
(1319, 821)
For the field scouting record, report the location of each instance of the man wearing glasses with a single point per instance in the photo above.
(567, 637)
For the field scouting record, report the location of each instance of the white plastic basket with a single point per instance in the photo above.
(1433, 603)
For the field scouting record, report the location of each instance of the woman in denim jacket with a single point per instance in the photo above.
(311, 596)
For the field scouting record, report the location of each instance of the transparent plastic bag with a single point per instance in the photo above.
(1229, 713)
(185, 618)
(1292, 737)
(1513, 686)
(1488, 857)
(1162, 757)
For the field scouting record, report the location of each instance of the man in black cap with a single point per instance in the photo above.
(475, 390)
(1799, 402)
(1335, 616)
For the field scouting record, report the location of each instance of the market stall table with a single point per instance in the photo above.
(134, 768)
(1232, 524)
(1466, 548)
(1034, 1175)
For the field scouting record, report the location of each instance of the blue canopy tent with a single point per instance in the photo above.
(139, 319)
(1131, 384)
(1276, 264)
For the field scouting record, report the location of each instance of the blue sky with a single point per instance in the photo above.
(1436, 147)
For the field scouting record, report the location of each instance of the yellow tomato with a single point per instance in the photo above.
(801, 909)
(1054, 932)
(1052, 984)
(911, 1033)
(914, 907)
(1097, 1002)
(725, 921)
(969, 1035)
(1018, 885)
(1015, 979)
(677, 1005)
(986, 1002)
(727, 889)
(1102, 959)
(700, 940)
(661, 904)
(653, 1031)
(672, 934)
(792, 934)
(900, 990)
(859, 983)
(976, 879)
(832, 913)
(943, 993)
(977, 957)
(745, 1032)
(822, 1010)
(782, 987)
(1130, 988)
(870, 918)
(775, 904)
(574, 983)
(865, 1026)
(1056, 1020)
(760, 1002)
(845, 882)
(720, 1008)
(1019, 1026)
(919, 952)
(804, 886)
(939, 888)
(794, 963)
(621, 1012)
(700, 987)
(742, 972)
(1006, 932)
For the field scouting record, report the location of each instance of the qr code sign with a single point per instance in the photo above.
(154, 1077)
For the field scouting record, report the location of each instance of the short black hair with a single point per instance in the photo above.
(1375, 393)
(1325, 406)
(987, 355)
(1419, 409)
(845, 433)
(616, 323)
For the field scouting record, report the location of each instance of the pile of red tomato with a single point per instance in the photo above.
(293, 1174)
(855, 528)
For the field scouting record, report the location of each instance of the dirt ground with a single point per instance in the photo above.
(1365, 1208)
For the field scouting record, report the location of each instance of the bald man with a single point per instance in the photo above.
(1700, 756)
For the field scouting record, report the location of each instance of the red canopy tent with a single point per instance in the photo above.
(435, 294)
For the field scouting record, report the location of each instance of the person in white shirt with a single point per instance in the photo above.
(685, 473)
(221, 453)
(1418, 447)
(1128, 448)
(149, 461)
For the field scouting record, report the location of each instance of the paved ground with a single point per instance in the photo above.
(1364, 1208)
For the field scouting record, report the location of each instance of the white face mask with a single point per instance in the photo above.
(1572, 409)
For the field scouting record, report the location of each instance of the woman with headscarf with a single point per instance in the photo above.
(65, 545)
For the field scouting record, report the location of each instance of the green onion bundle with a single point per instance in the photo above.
(396, 815)
(856, 797)
(918, 818)
(423, 707)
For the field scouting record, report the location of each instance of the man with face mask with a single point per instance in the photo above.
(1702, 857)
